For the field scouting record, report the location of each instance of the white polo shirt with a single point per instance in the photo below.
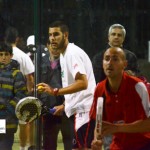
(26, 64)
(75, 60)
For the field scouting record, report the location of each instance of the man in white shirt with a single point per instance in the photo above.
(78, 85)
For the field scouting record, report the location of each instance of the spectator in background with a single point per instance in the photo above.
(31, 47)
(26, 64)
(57, 121)
(126, 101)
(116, 37)
(78, 84)
(12, 89)
(27, 68)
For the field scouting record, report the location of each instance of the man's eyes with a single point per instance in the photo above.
(113, 59)
(54, 34)
(114, 34)
(4, 54)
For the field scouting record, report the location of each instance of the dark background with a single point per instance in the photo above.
(88, 21)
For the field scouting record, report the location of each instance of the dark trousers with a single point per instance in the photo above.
(6, 141)
(51, 128)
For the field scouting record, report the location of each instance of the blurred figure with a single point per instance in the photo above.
(31, 46)
(41, 50)
(27, 68)
(12, 89)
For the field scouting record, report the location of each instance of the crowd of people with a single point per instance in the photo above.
(71, 84)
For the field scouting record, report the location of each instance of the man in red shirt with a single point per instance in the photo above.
(126, 100)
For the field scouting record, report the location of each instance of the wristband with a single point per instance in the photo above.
(55, 91)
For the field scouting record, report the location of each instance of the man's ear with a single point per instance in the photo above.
(66, 34)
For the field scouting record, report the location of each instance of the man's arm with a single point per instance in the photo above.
(30, 82)
(134, 127)
(80, 84)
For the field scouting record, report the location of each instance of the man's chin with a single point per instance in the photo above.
(55, 48)
(116, 45)
(109, 75)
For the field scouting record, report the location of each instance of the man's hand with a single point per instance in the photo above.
(59, 110)
(108, 128)
(96, 145)
(45, 88)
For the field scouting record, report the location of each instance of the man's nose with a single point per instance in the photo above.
(116, 36)
(3, 57)
(110, 60)
(52, 37)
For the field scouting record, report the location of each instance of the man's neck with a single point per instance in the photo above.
(63, 50)
(13, 45)
(114, 84)
(115, 46)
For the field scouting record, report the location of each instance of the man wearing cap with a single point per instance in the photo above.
(42, 50)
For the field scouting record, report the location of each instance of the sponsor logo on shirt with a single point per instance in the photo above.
(75, 66)
(62, 74)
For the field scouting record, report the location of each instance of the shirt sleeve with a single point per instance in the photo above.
(143, 93)
(28, 65)
(76, 65)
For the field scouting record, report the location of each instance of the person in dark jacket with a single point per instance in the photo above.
(55, 121)
(116, 37)
(12, 89)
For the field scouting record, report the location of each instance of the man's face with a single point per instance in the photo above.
(114, 63)
(116, 37)
(5, 57)
(57, 38)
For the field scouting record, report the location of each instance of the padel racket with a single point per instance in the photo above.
(29, 109)
(99, 115)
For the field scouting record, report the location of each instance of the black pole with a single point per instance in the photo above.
(37, 56)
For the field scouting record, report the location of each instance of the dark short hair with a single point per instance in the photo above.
(11, 35)
(61, 25)
(5, 47)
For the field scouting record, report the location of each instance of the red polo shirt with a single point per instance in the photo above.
(128, 104)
